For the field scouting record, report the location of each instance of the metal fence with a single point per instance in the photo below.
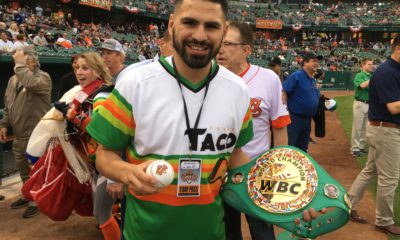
(7, 162)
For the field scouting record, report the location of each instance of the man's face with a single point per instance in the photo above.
(41, 33)
(3, 36)
(368, 66)
(30, 63)
(197, 29)
(277, 69)
(111, 58)
(232, 54)
(311, 65)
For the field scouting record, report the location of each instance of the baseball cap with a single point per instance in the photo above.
(112, 45)
(311, 55)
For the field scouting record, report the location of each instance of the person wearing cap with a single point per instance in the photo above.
(302, 100)
(383, 137)
(114, 57)
(108, 191)
(26, 100)
(360, 108)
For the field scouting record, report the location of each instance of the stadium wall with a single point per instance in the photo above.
(57, 67)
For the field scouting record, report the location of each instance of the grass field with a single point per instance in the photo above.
(345, 108)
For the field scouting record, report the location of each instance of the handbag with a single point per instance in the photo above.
(55, 188)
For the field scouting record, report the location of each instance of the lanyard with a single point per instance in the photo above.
(191, 131)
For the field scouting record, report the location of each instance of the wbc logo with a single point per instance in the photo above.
(283, 180)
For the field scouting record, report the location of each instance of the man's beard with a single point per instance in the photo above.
(194, 61)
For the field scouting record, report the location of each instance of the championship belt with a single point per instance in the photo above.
(279, 184)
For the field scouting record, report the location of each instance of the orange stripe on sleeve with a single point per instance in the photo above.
(281, 121)
(248, 115)
(119, 114)
(98, 103)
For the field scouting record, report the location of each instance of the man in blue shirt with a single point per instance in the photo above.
(383, 137)
(302, 100)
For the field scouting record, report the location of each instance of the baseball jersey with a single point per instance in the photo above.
(266, 107)
(145, 115)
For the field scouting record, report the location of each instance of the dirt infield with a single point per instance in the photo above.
(332, 152)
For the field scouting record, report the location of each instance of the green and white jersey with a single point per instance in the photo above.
(145, 115)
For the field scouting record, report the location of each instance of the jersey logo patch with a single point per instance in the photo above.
(255, 107)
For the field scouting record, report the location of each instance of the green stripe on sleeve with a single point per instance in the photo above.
(246, 134)
(106, 134)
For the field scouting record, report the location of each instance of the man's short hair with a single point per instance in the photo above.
(275, 61)
(20, 37)
(223, 3)
(395, 42)
(246, 33)
(365, 60)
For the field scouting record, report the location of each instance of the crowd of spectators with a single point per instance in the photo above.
(337, 55)
(341, 13)
(59, 33)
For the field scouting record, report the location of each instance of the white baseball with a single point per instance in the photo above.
(162, 171)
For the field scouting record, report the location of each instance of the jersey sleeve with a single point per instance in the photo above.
(99, 100)
(279, 114)
(246, 132)
(113, 124)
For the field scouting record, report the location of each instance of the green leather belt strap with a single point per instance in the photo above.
(279, 184)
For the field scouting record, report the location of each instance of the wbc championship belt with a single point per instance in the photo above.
(279, 184)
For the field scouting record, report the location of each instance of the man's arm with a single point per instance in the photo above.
(238, 158)
(393, 107)
(359, 81)
(110, 165)
(3, 126)
(4, 122)
(37, 81)
(35, 41)
(280, 136)
(364, 84)
(289, 84)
